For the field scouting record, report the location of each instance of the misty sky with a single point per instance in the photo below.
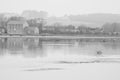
(62, 7)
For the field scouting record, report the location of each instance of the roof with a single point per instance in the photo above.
(16, 22)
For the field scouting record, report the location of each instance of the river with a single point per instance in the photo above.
(59, 59)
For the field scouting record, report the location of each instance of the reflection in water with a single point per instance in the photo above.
(14, 44)
(34, 47)
(44, 69)
(37, 58)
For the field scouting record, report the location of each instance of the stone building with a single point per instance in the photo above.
(16, 27)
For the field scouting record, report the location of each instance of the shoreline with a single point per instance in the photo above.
(63, 37)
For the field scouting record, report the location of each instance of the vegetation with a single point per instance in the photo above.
(108, 29)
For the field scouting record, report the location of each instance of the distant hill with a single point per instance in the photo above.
(92, 20)
(8, 15)
(96, 18)
(31, 14)
(68, 21)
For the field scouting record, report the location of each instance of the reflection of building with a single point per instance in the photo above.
(16, 27)
(15, 43)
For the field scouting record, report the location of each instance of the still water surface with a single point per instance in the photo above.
(54, 59)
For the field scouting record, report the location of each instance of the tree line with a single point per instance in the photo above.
(110, 29)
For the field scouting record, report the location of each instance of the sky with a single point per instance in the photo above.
(61, 7)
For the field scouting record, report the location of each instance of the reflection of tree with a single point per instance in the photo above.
(15, 52)
(33, 53)
(34, 47)
(112, 45)
(57, 44)
(2, 43)
(2, 46)
(31, 43)
(83, 42)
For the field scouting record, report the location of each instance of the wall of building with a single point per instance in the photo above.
(15, 29)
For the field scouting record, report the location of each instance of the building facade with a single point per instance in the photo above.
(16, 27)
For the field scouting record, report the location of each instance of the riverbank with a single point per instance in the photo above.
(63, 37)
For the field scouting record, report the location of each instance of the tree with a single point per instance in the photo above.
(3, 22)
(82, 29)
(111, 28)
(38, 22)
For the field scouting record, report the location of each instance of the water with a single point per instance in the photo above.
(54, 59)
